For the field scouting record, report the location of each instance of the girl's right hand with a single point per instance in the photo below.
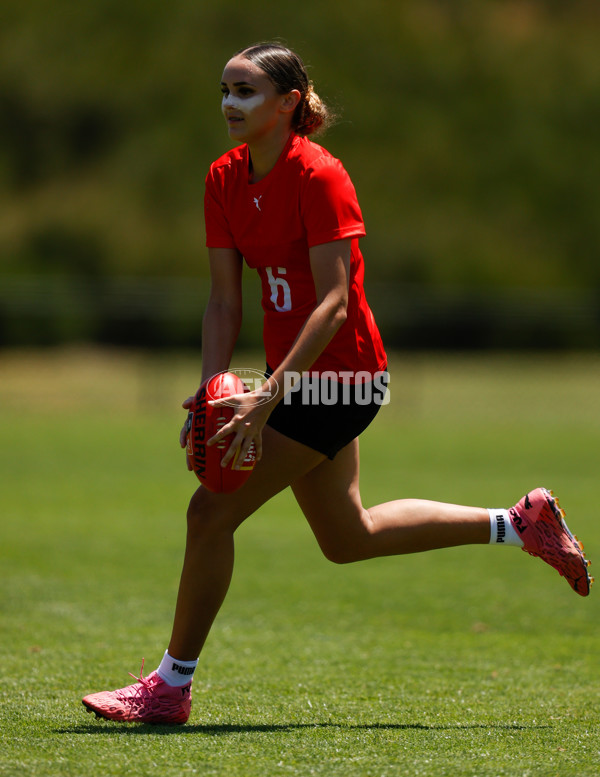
(184, 431)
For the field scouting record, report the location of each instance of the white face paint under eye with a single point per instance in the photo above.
(242, 104)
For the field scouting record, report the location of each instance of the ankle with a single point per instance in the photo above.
(175, 672)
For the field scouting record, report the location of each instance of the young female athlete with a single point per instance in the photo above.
(288, 208)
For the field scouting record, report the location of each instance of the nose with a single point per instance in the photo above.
(229, 101)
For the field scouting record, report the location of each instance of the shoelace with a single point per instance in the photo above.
(131, 692)
(143, 680)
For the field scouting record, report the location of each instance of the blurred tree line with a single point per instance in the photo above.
(470, 129)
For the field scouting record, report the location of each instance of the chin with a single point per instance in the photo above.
(237, 133)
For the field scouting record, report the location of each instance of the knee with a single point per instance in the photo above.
(205, 515)
(341, 550)
(344, 542)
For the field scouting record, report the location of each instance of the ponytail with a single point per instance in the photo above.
(312, 116)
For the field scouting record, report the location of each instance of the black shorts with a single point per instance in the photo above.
(325, 414)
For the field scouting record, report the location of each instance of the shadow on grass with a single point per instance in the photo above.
(221, 729)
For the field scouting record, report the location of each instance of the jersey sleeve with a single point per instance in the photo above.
(330, 209)
(218, 233)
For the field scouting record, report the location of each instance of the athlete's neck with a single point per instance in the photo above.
(264, 155)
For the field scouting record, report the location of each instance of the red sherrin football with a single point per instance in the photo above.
(203, 422)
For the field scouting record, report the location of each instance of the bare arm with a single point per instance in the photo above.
(330, 265)
(222, 317)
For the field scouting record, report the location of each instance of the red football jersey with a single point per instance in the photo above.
(307, 199)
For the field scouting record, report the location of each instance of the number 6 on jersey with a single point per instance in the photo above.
(278, 284)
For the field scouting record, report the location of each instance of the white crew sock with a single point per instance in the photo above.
(502, 531)
(175, 672)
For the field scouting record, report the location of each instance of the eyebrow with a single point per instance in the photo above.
(238, 83)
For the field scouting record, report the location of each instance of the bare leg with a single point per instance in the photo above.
(414, 525)
(212, 521)
(346, 531)
(205, 579)
(328, 494)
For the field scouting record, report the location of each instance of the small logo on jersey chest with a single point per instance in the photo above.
(257, 202)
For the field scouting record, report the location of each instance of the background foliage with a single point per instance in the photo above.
(469, 129)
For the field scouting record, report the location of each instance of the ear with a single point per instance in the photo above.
(290, 100)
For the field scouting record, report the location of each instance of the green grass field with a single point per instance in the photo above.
(470, 661)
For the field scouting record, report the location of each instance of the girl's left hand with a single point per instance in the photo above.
(250, 416)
